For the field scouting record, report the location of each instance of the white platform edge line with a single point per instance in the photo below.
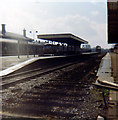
(16, 67)
(20, 65)
(106, 57)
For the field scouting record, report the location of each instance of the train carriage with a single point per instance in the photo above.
(12, 47)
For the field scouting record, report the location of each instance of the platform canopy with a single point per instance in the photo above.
(68, 38)
(113, 22)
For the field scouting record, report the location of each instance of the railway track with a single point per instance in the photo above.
(65, 96)
(24, 76)
(18, 77)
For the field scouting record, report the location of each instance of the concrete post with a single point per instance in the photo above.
(18, 49)
(34, 49)
(27, 49)
(74, 48)
(67, 48)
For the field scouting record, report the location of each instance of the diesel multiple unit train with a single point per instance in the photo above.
(15, 47)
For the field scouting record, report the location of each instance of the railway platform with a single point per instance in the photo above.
(108, 77)
(9, 64)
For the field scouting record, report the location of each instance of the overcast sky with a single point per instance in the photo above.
(87, 19)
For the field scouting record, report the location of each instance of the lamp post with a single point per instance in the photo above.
(34, 33)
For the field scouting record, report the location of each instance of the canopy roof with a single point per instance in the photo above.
(113, 22)
(63, 38)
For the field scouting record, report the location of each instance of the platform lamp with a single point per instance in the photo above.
(34, 33)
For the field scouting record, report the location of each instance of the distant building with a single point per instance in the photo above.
(14, 44)
(10, 35)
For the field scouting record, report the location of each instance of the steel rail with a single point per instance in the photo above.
(7, 82)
